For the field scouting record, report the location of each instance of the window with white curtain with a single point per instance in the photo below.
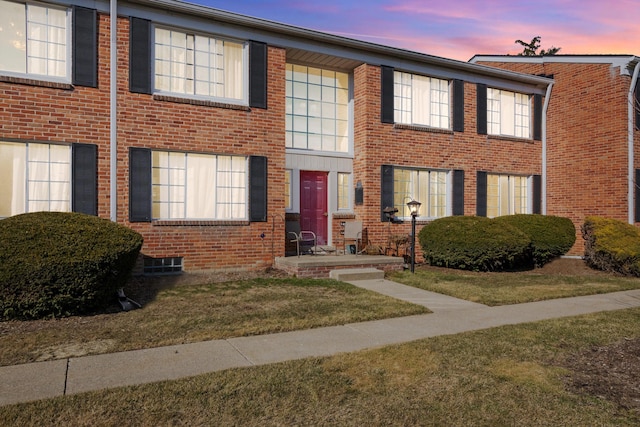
(198, 186)
(34, 40)
(343, 190)
(507, 195)
(35, 177)
(288, 201)
(317, 109)
(429, 187)
(421, 100)
(508, 113)
(199, 65)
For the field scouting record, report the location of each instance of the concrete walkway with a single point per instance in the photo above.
(34, 381)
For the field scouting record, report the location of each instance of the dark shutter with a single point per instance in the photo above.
(139, 185)
(537, 117)
(458, 106)
(257, 74)
(85, 47)
(481, 194)
(537, 195)
(386, 94)
(139, 55)
(481, 106)
(637, 105)
(458, 192)
(637, 194)
(84, 179)
(257, 189)
(386, 190)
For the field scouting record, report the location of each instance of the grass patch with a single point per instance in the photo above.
(511, 288)
(500, 376)
(192, 313)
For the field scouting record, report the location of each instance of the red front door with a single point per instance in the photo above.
(313, 204)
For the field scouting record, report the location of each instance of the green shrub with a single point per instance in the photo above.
(551, 236)
(474, 243)
(59, 264)
(612, 245)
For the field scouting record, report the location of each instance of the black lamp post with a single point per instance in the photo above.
(414, 206)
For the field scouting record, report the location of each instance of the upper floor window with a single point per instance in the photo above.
(198, 186)
(430, 187)
(420, 100)
(507, 195)
(199, 65)
(34, 40)
(508, 113)
(317, 109)
(35, 177)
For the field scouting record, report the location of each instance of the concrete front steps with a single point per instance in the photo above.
(353, 274)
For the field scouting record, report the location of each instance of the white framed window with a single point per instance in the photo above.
(288, 201)
(508, 113)
(35, 177)
(421, 100)
(198, 186)
(200, 66)
(429, 187)
(35, 40)
(343, 190)
(317, 109)
(507, 195)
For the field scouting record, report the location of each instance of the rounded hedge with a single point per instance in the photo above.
(551, 236)
(58, 264)
(612, 245)
(474, 243)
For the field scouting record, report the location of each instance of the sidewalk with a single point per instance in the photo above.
(34, 381)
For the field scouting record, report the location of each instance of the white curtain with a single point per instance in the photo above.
(421, 104)
(201, 174)
(12, 177)
(234, 72)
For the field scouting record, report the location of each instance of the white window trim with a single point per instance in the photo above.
(68, 60)
(245, 69)
(502, 133)
(424, 204)
(397, 112)
(214, 189)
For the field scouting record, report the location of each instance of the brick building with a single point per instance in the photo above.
(217, 127)
(593, 144)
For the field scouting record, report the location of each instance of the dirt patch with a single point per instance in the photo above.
(569, 266)
(611, 372)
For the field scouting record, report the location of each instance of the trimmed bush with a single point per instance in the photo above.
(58, 264)
(612, 245)
(474, 243)
(551, 236)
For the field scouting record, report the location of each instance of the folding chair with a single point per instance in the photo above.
(352, 233)
(304, 240)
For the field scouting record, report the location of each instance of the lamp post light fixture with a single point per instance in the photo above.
(414, 207)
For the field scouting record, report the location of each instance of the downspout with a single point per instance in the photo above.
(545, 108)
(630, 127)
(113, 145)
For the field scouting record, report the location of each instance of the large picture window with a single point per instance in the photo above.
(507, 195)
(421, 100)
(199, 65)
(317, 109)
(198, 186)
(34, 40)
(430, 187)
(35, 177)
(508, 113)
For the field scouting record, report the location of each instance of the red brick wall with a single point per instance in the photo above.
(81, 114)
(587, 141)
(377, 143)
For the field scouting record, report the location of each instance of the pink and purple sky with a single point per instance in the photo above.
(459, 29)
